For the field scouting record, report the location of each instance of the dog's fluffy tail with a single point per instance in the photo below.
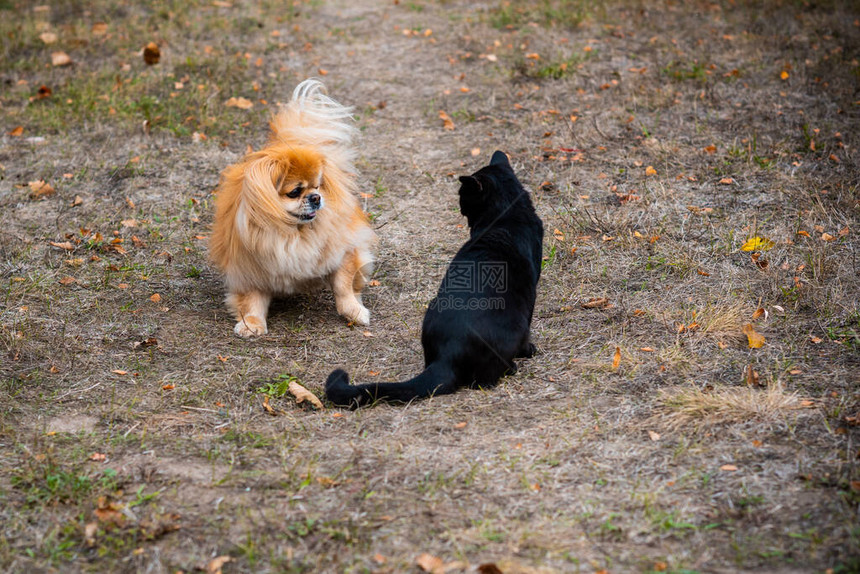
(312, 118)
(437, 379)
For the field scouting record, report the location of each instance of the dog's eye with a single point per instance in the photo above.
(297, 191)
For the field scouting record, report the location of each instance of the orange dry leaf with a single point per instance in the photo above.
(67, 245)
(783, 75)
(755, 340)
(215, 565)
(827, 237)
(729, 467)
(726, 181)
(40, 189)
(60, 59)
(595, 303)
(302, 395)
(155, 298)
(429, 563)
(758, 313)
(616, 359)
(711, 149)
(241, 103)
(17, 131)
(649, 171)
(803, 233)
(653, 435)
(447, 122)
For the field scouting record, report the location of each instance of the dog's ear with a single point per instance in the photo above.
(500, 158)
(263, 178)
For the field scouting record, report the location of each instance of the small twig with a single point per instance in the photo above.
(199, 409)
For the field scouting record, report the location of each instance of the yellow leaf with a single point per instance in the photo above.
(756, 340)
(649, 171)
(783, 75)
(616, 359)
(757, 244)
(302, 395)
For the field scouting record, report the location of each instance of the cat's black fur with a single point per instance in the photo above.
(471, 334)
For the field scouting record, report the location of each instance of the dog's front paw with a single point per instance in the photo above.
(250, 327)
(363, 317)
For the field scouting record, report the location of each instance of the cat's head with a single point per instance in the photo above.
(491, 191)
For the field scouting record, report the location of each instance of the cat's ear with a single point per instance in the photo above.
(500, 158)
(470, 185)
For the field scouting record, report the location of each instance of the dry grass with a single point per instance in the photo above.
(698, 408)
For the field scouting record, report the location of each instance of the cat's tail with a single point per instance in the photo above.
(436, 379)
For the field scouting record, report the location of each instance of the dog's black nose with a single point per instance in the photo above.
(314, 200)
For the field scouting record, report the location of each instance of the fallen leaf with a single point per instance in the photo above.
(726, 181)
(40, 189)
(476, 151)
(729, 467)
(168, 387)
(711, 149)
(99, 29)
(429, 563)
(489, 568)
(98, 457)
(67, 280)
(653, 435)
(595, 303)
(67, 245)
(827, 237)
(90, 531)
(373, 283)
(460, 425)
(752, 376)
(703, 273)
(215, 565)
(447, 122)
(241, 103)
(48, 37)
(783, 75)
(17, 131)
(268, 407)
(757, 244)
(60, 59)
(616, 358)
(151, 54)
(646, 349)
(77, 201)
(129, 222)
(302, 395)
(119, 372)
(815, 339)
(649, 171)
(754, 339)
(155, 298)
(758, 313)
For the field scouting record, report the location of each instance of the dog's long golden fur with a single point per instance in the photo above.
(287, 218)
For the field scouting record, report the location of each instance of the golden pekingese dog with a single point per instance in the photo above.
(287, 218)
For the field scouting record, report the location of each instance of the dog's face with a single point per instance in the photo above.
(283, 184)
(298, 185)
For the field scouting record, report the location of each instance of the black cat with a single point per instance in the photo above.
(479, 321)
